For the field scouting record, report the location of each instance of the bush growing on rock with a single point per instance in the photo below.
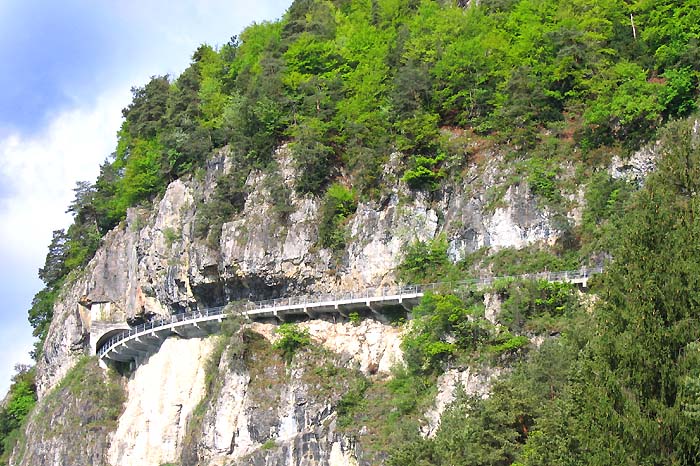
(291, 339)
(338, 204)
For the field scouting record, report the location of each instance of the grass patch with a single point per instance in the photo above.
(355, 318)
(269, 444)
(266, 370)
(292, 338)
(511, 261)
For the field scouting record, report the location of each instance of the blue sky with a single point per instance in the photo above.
(67, 71)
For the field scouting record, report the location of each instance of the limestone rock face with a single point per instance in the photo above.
(257, 409)
(161, 395)
(475, 217)
(372, 346)
(266, 412)
(66, 339)
(153, 264)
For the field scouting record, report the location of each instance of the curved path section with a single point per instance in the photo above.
(138, 342)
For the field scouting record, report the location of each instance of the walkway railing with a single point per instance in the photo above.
(376, 294)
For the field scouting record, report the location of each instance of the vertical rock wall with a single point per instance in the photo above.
(161, 396)
(153, 263)
(258, 410)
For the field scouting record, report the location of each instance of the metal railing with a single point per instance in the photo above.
(377, 294)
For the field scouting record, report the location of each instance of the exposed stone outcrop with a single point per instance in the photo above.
(66, 339)
(246, 422)
(153, 263)
(267, 413)
(635, 168)
(162, 394)
(372, 346)
(258, 410)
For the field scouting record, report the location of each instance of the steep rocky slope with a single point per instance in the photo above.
(153, 264)
(73, 424)
(213, 401)
(360, 144)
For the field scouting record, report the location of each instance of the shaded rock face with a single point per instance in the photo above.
(153, 264)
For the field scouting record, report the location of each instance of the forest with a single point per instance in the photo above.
(346, 83)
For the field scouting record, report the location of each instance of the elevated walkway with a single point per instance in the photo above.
(134, 344)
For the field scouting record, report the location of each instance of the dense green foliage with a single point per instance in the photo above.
(448, 329)
(52, 274)
(639, 376)
(605, 203)
(339, 203)
(542, 179)
(535, 305)
(20, 400)
(426, 261)
(442, 326)
(291, 338)
(424, 173)
(451, 331)
(512, 262)
(493, 431)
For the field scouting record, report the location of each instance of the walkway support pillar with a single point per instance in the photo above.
(310, 314)
(341, 311)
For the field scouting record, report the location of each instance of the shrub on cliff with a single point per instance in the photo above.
(20, 401)
(291, 339)
(426, 261)
(339, 203)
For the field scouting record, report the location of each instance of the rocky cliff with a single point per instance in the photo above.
(154, 264)
(245, 406)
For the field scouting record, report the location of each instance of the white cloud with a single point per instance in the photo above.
(39, 173)
(44, 168)
(16, 353)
